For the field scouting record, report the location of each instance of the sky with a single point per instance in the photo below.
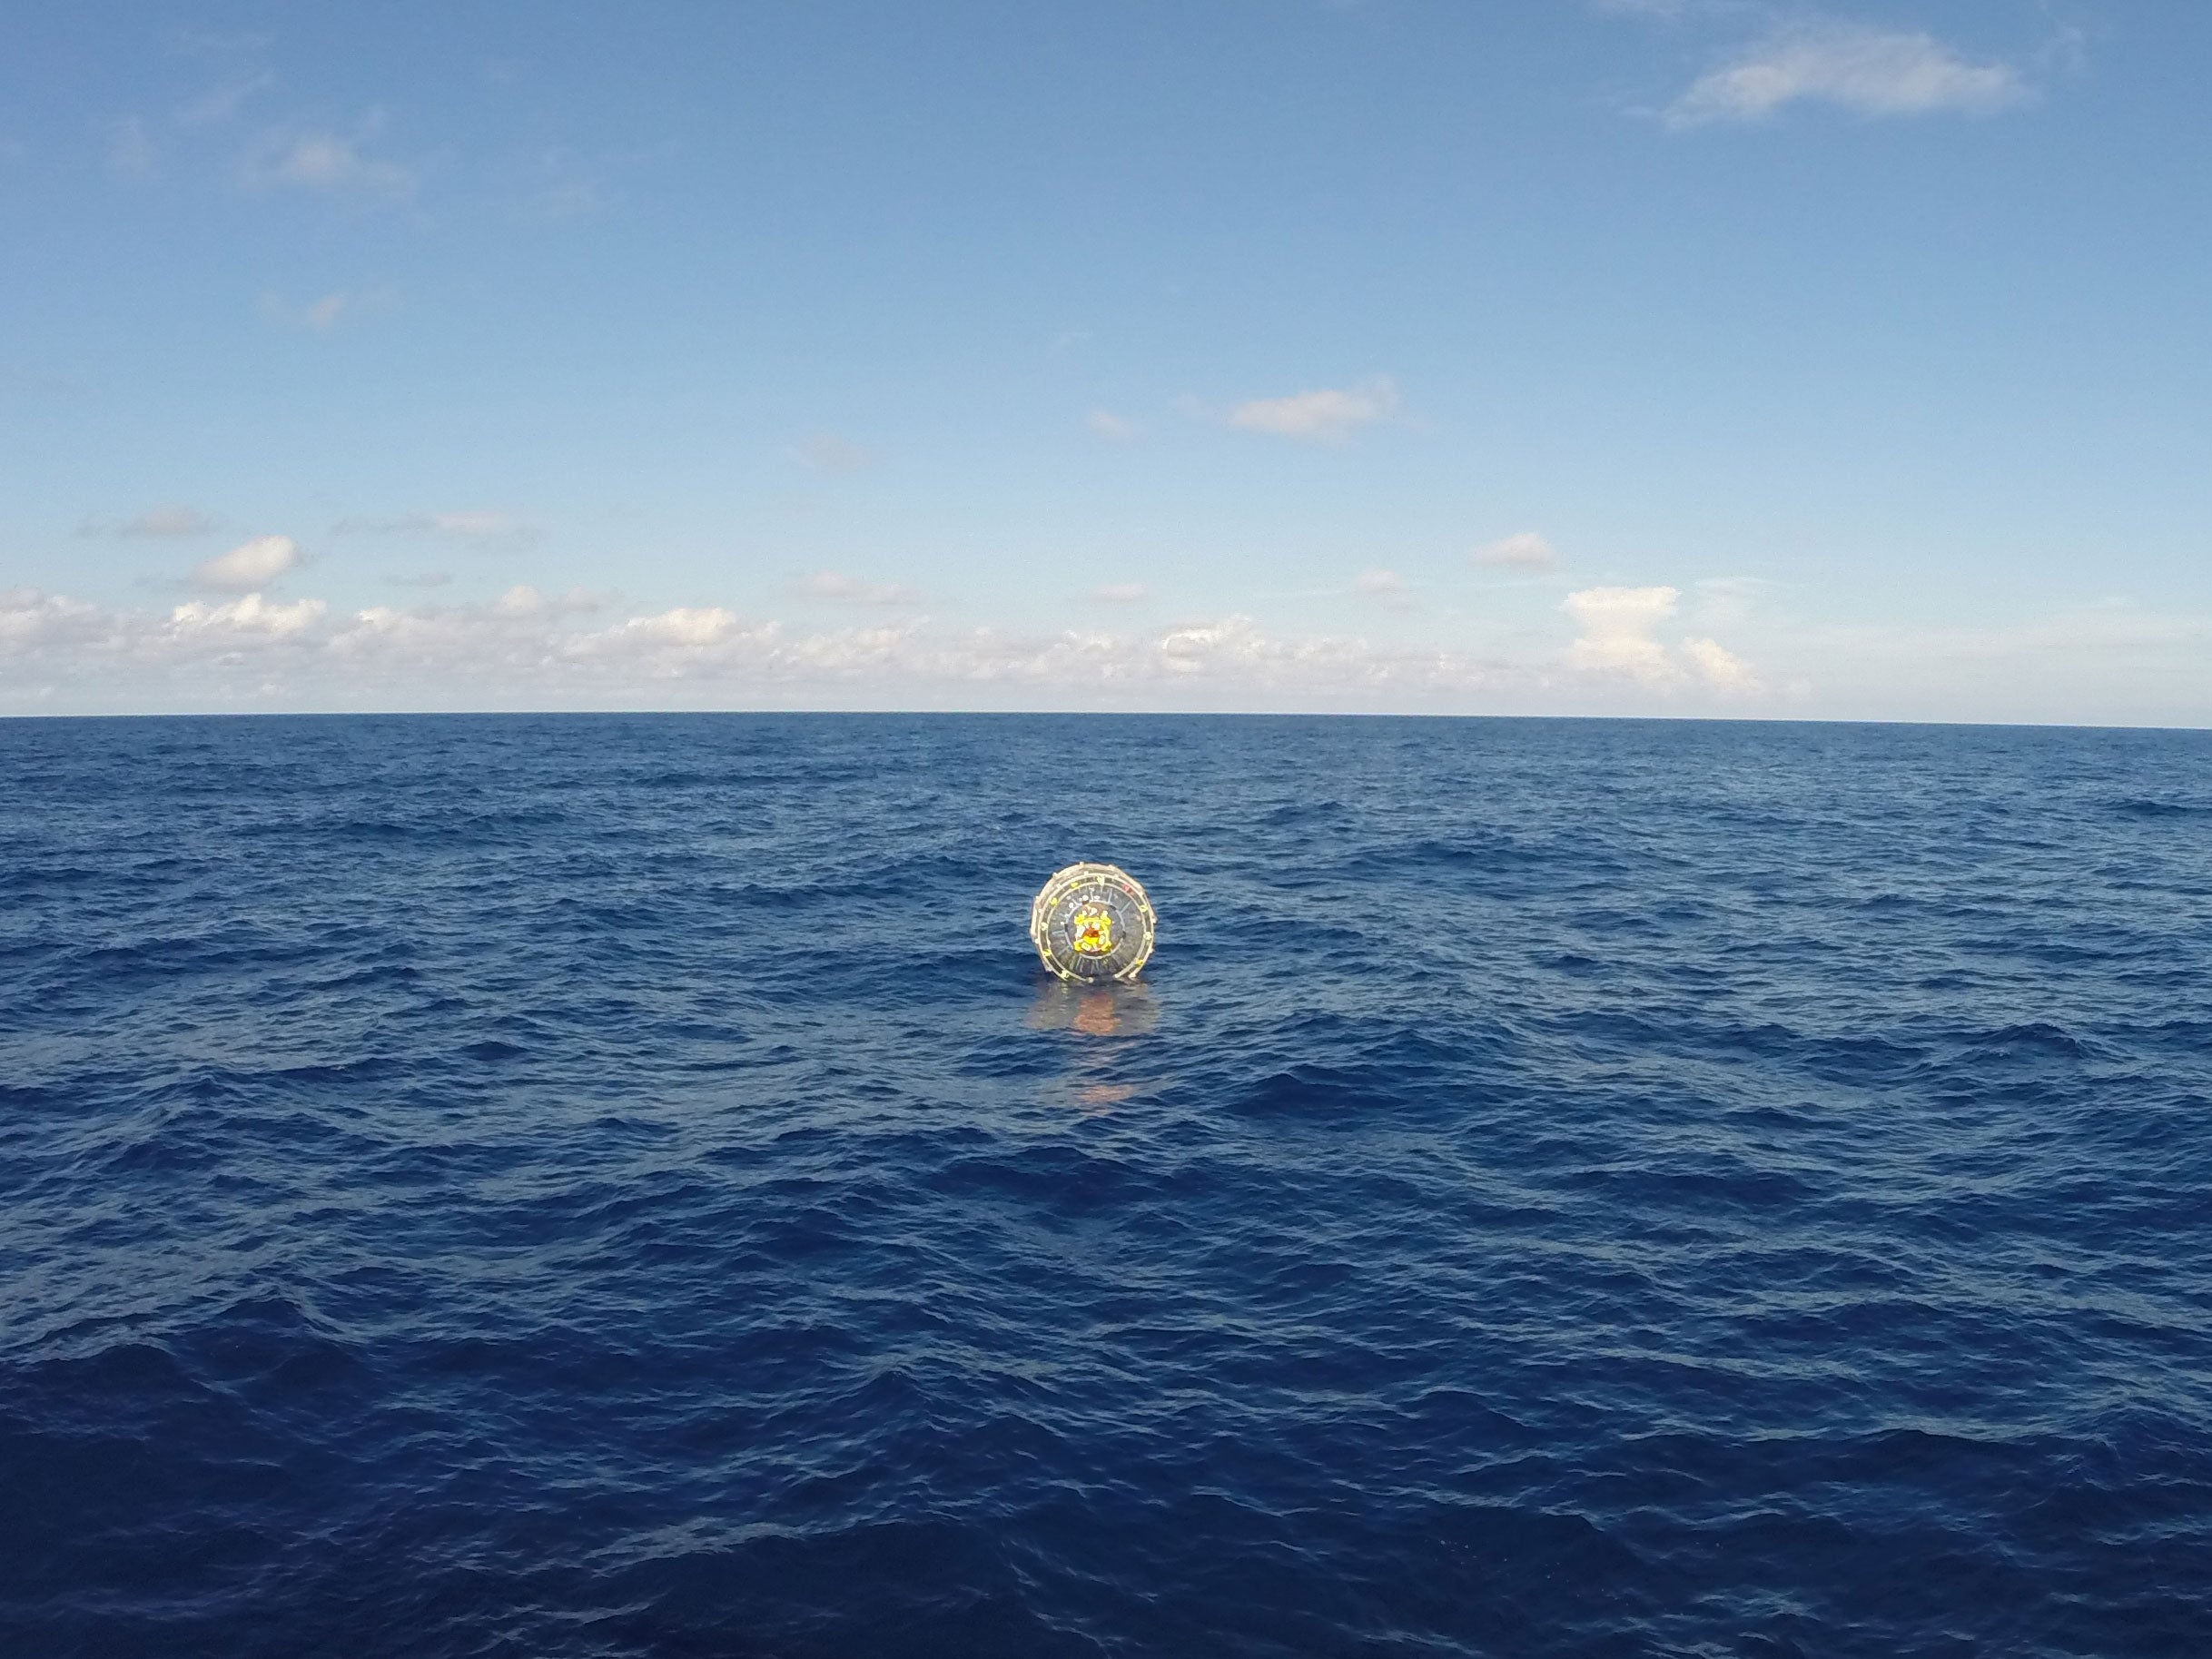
(1698, 357)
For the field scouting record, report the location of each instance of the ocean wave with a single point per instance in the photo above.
(621, 1189)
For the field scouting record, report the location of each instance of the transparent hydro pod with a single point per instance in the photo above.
(1092, 923)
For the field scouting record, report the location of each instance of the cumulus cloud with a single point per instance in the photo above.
(1111, 426)
(1617, 626)
(1325, 416)
(325, 161)
(1720, 668)
(251, 615)
(30, 619)
(250, 564)
(1868, 71)
(1619, 640)
(841, 589)
(1525, 549)
(694, 628)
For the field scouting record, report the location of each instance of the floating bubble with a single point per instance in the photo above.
(1091, 924)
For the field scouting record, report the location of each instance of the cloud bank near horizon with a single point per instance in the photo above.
(528, 648)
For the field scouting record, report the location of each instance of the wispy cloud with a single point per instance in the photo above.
(130, 153)
(155, 521)
(325, 312)
(481, 527)
(1116, 428)
(222, 101)
(325, 161)
(841, 589)
(1868, 71)
(1326, 415)
(1387, 585)
(555, 184)
(562, 200)
(250, 564)
(828, 452)
(1525, 550)
(1726, 601)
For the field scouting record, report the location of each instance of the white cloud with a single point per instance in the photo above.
(1617, 632)
(693, 629)
(250, 564)
(1322, 416)
(30, 619)
(2113, 662)
(324, 162)
(1527, 549)
(842, 589)
(1387, 585)
(523, 601)
(251, 615)
(1868, 71)
(827, 452)
(1720, 668)
(1114, 427)
(521, 650)
(1121, 593)
(1619, 641)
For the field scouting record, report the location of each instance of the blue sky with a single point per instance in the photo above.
(1710, 356)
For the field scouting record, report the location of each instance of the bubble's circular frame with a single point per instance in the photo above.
(1092, 925)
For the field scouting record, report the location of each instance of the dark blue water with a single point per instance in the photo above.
(619, 1187)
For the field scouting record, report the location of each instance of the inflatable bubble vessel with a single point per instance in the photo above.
(1092, 923)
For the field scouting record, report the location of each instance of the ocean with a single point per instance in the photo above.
(620, 1186)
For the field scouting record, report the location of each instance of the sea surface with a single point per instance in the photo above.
(620, 1186)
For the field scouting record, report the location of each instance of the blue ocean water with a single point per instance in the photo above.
(618, 1186)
